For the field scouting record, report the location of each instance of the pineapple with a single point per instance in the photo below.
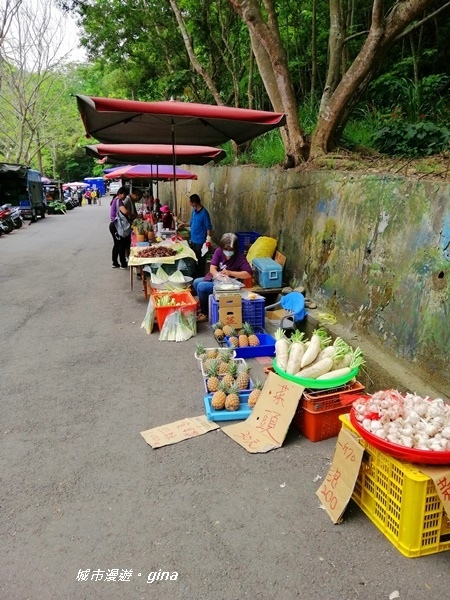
(218, 331)
(227, 330)
(200, 352)
(219, 397)
(232, 401)
(243, 339)
(230, 377)
(211, 353)
(255, 394)
(212, 382)
(223, 367)
(253, 339)
(225, 354)
(243, 379)
(233, 339)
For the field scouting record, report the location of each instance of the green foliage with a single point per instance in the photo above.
(412, 139)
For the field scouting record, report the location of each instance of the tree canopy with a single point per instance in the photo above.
(328, 65)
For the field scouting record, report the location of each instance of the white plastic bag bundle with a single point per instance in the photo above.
(149, 319)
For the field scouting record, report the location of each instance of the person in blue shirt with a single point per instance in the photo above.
(200, 232)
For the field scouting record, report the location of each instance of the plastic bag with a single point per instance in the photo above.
(225, 283)
(263, 247)
(149, 319)
(175, 328)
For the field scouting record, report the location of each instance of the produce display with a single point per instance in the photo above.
(218, 371)
(316, 358)
(156, 252)
(167, 300)
(161, 277)
(243, 338)
(406, 420)
(178, 326)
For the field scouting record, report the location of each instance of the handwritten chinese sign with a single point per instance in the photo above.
(441, 478)
(178, 431)
(266, 428)
(335, 492)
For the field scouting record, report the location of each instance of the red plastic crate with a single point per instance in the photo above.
(317, 416)
(161, 312)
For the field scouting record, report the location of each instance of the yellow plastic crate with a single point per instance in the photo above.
(401, 501)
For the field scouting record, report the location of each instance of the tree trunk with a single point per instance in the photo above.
(193, 58)
(313, 51)
(335, 45)
(383, 33)
(275, 71)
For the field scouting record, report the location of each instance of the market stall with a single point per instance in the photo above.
(167, 252)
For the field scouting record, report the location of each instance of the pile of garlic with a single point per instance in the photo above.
(410, 420)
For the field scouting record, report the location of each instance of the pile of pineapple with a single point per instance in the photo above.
(223, 379)
(237, 339)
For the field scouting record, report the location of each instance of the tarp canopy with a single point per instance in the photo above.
(19, 170)
(155, 153)
(113, 120)
(164, 172)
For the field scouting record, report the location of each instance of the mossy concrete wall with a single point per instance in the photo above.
(372, 248)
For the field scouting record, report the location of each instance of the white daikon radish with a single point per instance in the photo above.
(316, 370)
(296, 353)
(281, 348)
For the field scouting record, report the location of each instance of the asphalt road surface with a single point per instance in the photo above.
(82, 494)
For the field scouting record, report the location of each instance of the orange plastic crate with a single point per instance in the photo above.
(317, 416)
(184, 302)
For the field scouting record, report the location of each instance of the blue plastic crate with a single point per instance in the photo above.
(267, 273)
(227, 415)
(246, 239)
(253, 312)
(266, 347)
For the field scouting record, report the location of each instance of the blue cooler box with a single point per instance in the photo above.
(267, 273)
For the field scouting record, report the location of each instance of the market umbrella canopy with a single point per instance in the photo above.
(149, 172)
(75, 184)
(112, 120)
(156, 154)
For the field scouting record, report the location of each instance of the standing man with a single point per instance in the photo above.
(130, 205)
(200, 232)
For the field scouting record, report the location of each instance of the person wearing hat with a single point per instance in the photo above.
(167, 217)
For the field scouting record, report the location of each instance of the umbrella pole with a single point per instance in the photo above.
(174, 162)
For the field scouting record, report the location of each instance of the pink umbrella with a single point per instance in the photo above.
(149, 172)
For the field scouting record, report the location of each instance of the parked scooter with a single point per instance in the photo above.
(6, 222)
(15, 216)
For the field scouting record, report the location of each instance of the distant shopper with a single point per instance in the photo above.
(200, 232)
(120, 243)
(88, 196)
(94, 196)
(79, 196)
(167, 217)
(130, 204)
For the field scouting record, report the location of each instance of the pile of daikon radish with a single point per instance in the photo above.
(316, 358)
(410, 420)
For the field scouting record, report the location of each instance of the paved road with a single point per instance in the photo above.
(81, 489)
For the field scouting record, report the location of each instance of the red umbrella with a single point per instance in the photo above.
(114, 121)
(149, 172)
(156, 154)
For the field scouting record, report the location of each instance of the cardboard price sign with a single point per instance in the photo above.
(441, 478)
(266, 428)
(337, 489)
(178, 431)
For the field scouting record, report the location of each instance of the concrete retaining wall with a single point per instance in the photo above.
(370, 248)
